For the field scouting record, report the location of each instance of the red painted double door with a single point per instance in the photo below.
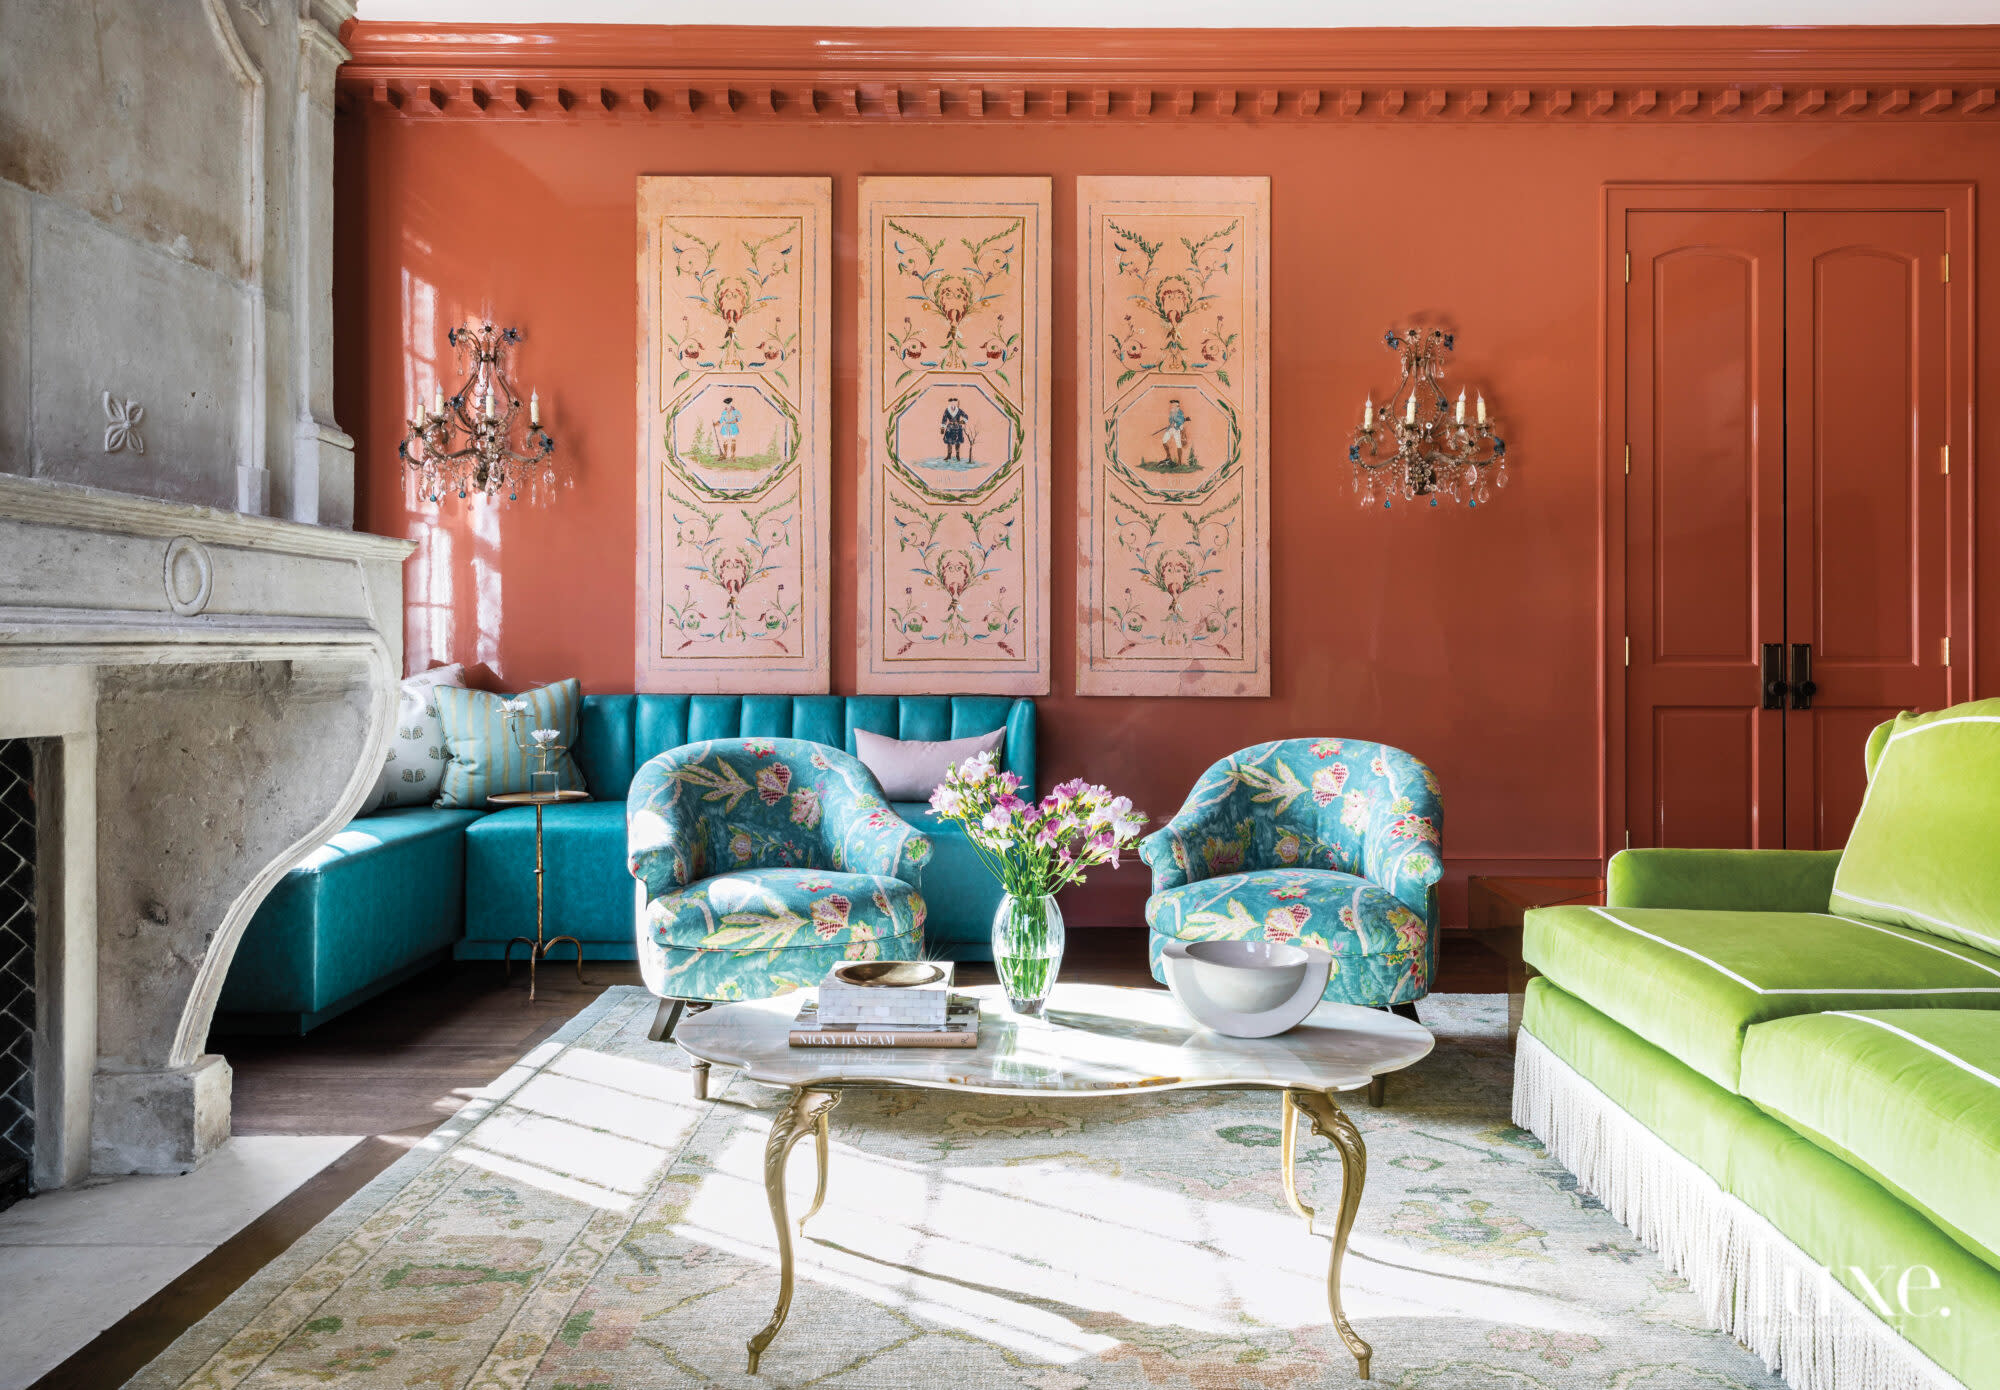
(1786, 586)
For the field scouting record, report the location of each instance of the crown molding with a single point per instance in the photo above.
(653, 72)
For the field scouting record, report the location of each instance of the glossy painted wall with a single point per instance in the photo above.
(1471, 638)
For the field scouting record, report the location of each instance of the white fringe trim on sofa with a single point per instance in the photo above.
(1753, 1282)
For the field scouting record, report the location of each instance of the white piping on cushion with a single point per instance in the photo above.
(1686, 951)
(1929, 945)
(1869, 791)
(1750, 1278)
(1904, 733)
(1894, 907)
(1932, 1047)
(1722, 969)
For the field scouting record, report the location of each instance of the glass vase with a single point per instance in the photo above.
(1027, 950)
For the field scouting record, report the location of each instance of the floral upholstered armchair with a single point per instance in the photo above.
(1323, 842)
(762, 862)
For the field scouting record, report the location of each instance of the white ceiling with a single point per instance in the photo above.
(1161, 14)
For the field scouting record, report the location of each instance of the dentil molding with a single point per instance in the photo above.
(643, 72)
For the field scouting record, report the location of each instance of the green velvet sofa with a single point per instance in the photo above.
(399, 890)
(1798, 1108)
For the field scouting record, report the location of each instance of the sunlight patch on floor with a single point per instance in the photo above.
(980, 1248)
(583, 1132)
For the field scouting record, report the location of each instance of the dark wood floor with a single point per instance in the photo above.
(399, 1065)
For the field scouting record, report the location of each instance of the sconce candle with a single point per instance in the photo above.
(464, 445)
(1433, 451)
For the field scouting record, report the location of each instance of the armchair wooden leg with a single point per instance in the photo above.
(664, 1020)
(698, 1069)
(1376, 1088)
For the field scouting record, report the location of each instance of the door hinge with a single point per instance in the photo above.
(1947, 268)
(1628, 651)
(1944, 459)
(1628, 460)
(1628, 268)
(1944, 650)
(1628, 839)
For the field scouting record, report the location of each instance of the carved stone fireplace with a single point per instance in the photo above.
(214, 693)
(206, 689)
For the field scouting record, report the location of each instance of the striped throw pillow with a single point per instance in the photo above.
(485, 746)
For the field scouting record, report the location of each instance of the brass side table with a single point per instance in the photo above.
(538, 947)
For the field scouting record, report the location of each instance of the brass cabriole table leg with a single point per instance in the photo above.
(1329, 1122)
(806, 1110)
(820, 1139)
(539, 947)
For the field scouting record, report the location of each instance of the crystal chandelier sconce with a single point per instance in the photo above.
(1420, 444)
(464, 444)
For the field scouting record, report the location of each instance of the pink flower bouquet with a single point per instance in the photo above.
(1034, 849)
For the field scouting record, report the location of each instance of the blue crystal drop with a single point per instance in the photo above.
(1434, 501)
(1385, 504)
(1354, 453)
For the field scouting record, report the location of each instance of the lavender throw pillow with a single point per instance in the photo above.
(910, 770)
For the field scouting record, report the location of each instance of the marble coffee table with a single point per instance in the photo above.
(1095, 1040)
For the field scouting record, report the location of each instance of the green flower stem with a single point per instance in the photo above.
(1022, 957)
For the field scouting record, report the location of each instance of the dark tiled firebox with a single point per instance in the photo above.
(17, 968)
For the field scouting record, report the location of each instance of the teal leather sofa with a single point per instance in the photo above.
(374, 905)
(358, 916)
(1796, 1104)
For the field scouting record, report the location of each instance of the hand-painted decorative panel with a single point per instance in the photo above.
(1173, 284)
(734, 396)
(954, 436)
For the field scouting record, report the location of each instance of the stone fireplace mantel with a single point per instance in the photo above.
(218, 689)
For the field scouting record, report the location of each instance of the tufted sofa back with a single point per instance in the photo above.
(622, 733)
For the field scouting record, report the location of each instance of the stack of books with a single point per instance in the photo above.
(959, 1029)
(887, 1004)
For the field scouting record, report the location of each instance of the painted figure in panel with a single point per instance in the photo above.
(1182, 559)
(731, 439)
(956, 519)
(954, 338)
(1175, 532)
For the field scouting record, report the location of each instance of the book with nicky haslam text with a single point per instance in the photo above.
(961, 1029)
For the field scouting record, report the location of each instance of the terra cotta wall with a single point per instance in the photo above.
(1471, 638)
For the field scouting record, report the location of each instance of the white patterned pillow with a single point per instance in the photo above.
(416, 759)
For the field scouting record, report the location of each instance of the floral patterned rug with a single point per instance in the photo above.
(587, 1225)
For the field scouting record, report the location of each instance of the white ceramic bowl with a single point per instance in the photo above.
(1246, 989)
(1247, 977)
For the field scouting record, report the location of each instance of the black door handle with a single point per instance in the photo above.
(1802, 685)
(1775, 688)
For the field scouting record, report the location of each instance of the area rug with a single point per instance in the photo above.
(587, 1225)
